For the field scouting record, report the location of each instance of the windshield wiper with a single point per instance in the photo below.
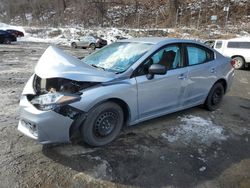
(93, 65)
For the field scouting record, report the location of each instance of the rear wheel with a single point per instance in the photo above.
(215, 97)
(239, 63)
(92, 46)
(73, 45)
(103, 124)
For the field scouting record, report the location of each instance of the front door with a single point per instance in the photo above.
(163, 93)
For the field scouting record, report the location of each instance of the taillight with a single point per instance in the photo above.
(233, 62)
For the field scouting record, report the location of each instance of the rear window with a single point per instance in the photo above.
(218, 44)
(245, 45)
(198, 55)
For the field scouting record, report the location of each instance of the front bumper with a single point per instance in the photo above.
(100, 45)
(44, 126)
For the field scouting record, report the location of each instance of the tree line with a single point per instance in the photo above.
(121, 13)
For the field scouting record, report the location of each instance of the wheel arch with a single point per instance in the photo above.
(91, 44)
(223, 82)
(123, 105)
(234, 56)
(73, 44)
(78, 122)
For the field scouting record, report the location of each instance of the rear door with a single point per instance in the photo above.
(83, 41)
(163, 93)
(202, 74)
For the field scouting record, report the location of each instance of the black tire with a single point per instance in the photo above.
(7, 41)
(103, 124)
(73, 45)
(92, 46)
(214, 97)
(239, 62)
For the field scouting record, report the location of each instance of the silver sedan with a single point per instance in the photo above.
(124, 83)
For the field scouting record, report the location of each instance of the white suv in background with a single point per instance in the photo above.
(238, 49)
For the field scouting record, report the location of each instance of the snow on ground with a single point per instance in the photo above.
(195, 129)
(54, 40)
(65, 35)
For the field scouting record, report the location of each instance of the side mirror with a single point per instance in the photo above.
(156, 69)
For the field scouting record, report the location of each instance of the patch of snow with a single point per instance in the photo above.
(162, 158)
(202, 169)
(29, 16)
(102, 169)
(68, 34)
(195, 129)
(202, 159)
(54, 40)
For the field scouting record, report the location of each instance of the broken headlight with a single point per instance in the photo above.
(51, 101)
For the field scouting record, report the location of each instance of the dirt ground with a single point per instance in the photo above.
(191, 148)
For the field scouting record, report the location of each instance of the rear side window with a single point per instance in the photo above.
(245, 45)
(199, 55)
(218, 44)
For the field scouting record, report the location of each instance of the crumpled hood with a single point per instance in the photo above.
(55, 63)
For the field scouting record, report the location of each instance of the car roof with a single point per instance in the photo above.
(241, 39)
(156, 40)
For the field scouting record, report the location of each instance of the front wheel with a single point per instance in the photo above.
(7, 41)
(214, 97)
(103, 124)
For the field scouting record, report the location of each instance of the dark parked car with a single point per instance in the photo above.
(16, 33)
(6, 37)
(120, 37)
(100, 42)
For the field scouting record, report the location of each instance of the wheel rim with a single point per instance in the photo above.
(238, 64)
(105, 124)
(217, 96)
(92, 46)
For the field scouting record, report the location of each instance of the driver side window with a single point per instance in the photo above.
(82, 38)
(169, 56)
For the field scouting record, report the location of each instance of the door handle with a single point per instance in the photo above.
(213, 70)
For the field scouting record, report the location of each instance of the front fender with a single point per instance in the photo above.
(125, 91)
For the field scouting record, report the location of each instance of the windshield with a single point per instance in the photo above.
(118, 56)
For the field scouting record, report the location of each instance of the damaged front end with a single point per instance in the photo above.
(56, 93)
(46, 113)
